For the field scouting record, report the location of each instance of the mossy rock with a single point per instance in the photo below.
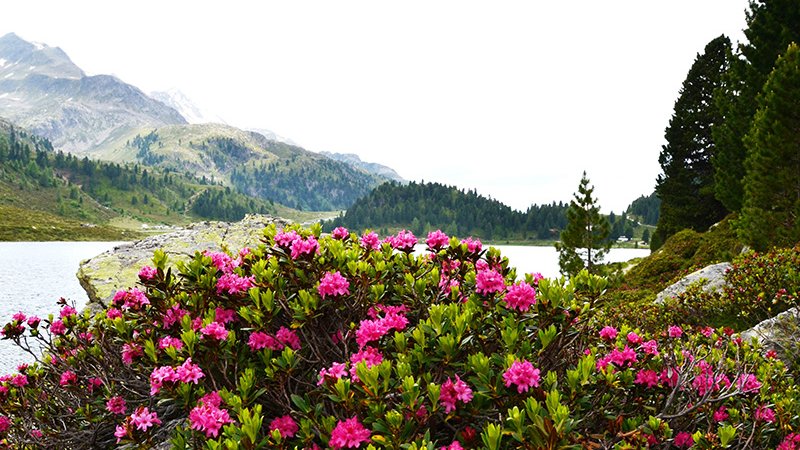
(117, 269)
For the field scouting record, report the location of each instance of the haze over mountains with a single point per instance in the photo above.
(104, 118)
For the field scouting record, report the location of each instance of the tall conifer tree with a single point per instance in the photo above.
(771, 26)
(584, 241)
(686, 188)
(771, 211)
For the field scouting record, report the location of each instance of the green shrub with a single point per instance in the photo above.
(346, 342)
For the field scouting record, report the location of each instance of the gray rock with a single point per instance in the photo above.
(118, 268)
(712, 277)
(777, 332)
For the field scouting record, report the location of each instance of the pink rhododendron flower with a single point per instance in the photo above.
(19, 317)
(288, 337)
(336, 371)
(116, 405)
(340, 233)
(609, 333)
(454, 391)
(68, 378)
(132, 299)
(37, 434)
(633, 338)
(260, 340)
(189, 372)
(147, 273)
(130, 350)
(437, 239)
(523, 374)
(488, 281)
(707, 332)
(349, 433)
(224, 316)
(19, 380)
(765, 414)
(370, 356)
(208, 418)
(113, 313)
(234, 284)
(5, 424)
(520, 296)
(473, 245)
(684, 440)
(285, 425)
(748, 383)
(143, 418)
(625, 356)
(212, 398)
(121, 431)
(58, 328)
(333, 284)
(650, 347)
(790, 442)
(169, 341)
(159, 376)
(675, 331)
(403, 240)
(455, 445)
(668, 377)
(307, 246)
(370, 241)
(174, 315)
(648, 377)
(285, 239)
(222, 261)
(215, 330)
(67, 311)
(771, 354)
(33, 321)
(721, 414)
(370, 330)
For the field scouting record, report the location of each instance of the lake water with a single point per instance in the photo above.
(37, 274)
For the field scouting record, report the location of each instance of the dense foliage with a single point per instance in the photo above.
(421, 206)
(584, 241)
(770, 214)
(346, 342)
(686, 186)
(771, 26)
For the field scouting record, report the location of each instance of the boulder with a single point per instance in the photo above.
(780, 333)
(712, 277)
(118, 268)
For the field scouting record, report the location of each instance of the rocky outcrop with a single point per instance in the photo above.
(116, 269)
(712, 277)
(777, 332)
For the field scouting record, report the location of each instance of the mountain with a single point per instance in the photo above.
(272, 136)
(42, 90)
(374, 168)
(178, 101)
(246, 160)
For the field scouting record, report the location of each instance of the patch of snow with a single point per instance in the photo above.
(31, 68)
(8, 75)
(4, 95)
(3, 62)
(69, 99)
(38, 45)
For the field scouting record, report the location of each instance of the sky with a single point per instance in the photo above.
(512, 98)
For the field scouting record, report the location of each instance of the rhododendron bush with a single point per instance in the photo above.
(347, 341)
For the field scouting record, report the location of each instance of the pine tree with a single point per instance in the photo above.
(584, 241)
(771, 26)
(686, 188)
(771, 209)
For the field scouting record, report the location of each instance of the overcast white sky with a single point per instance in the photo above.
(513, 98)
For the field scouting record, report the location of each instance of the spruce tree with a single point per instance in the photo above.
(584, 241)
(686, 188)
(769, 215)
(771, 26)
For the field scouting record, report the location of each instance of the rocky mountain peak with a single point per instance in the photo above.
(20, 58)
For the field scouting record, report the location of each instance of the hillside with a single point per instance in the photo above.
(246, 161)
(42, 90)
(52, 195)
